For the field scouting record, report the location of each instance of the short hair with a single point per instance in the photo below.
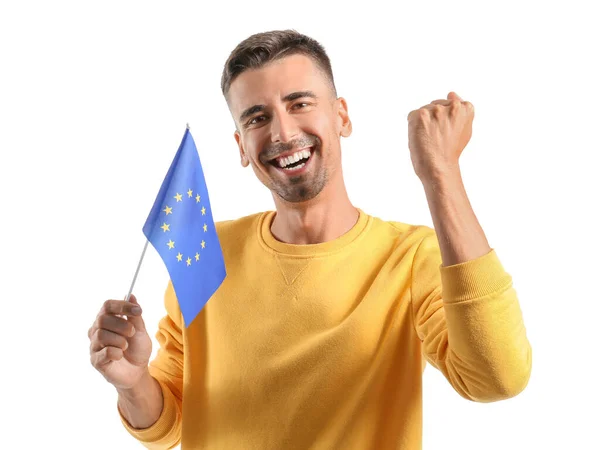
(262, 48)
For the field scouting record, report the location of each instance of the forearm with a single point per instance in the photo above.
(490, 355)
(459, 234)
(141, 405)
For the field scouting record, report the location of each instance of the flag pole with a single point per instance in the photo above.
(137, 270)
(142, 257)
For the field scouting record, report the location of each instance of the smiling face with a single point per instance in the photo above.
(289, 125)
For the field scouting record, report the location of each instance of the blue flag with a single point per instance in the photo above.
(180, 227)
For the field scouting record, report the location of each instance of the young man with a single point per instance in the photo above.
(319, 335)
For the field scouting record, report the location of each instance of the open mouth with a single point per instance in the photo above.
(294, 161)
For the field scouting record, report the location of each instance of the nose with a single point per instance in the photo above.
(283, 127)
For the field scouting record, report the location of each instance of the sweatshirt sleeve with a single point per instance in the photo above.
(470, 323)
(167, 368)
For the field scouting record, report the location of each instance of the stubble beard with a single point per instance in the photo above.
(302, 188)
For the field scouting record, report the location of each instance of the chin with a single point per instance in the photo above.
(309, 191)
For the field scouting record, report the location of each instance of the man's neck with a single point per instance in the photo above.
(321, 219)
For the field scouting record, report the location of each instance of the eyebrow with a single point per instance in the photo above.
(296, 95)
(288, 98)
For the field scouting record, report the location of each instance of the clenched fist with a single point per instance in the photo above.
(437, 134)
(120, 346)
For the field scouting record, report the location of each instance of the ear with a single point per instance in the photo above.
(243, 157)
(344, 122)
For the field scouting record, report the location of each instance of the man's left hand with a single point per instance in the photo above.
(437, 134)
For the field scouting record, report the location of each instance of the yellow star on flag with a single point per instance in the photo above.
(203, 211)
(165, 227)
(171, 244)
(203, 244)
(190, 193)
(197, 256)
(204, 227)
(168, 210)
(189, 261)
(198, 198)
(177, 197)
(179, 256)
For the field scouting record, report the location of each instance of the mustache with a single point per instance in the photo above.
(272, 151)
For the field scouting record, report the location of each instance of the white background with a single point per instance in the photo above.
(94, 98)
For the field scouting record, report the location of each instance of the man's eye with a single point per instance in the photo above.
(255, 120)
(300, 104)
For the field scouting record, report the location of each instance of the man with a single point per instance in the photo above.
(319, 335)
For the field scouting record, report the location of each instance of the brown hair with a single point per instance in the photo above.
(263, 48)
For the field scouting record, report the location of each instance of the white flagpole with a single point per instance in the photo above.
(142, 257)
(137, 270)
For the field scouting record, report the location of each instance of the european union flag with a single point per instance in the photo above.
(180, 227)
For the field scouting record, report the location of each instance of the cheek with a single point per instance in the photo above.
(325, 123)
(252, 149)
(321, 125)
(253, 153)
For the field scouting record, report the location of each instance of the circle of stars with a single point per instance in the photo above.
(165, 227)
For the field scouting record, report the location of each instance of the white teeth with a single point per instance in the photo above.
(294, 168)
(287, 160)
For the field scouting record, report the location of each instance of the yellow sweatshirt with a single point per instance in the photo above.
(323, 346)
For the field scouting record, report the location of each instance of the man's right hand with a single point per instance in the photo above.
(120, 346)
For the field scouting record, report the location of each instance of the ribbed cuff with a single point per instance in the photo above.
(163, 426)
(474, 279)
